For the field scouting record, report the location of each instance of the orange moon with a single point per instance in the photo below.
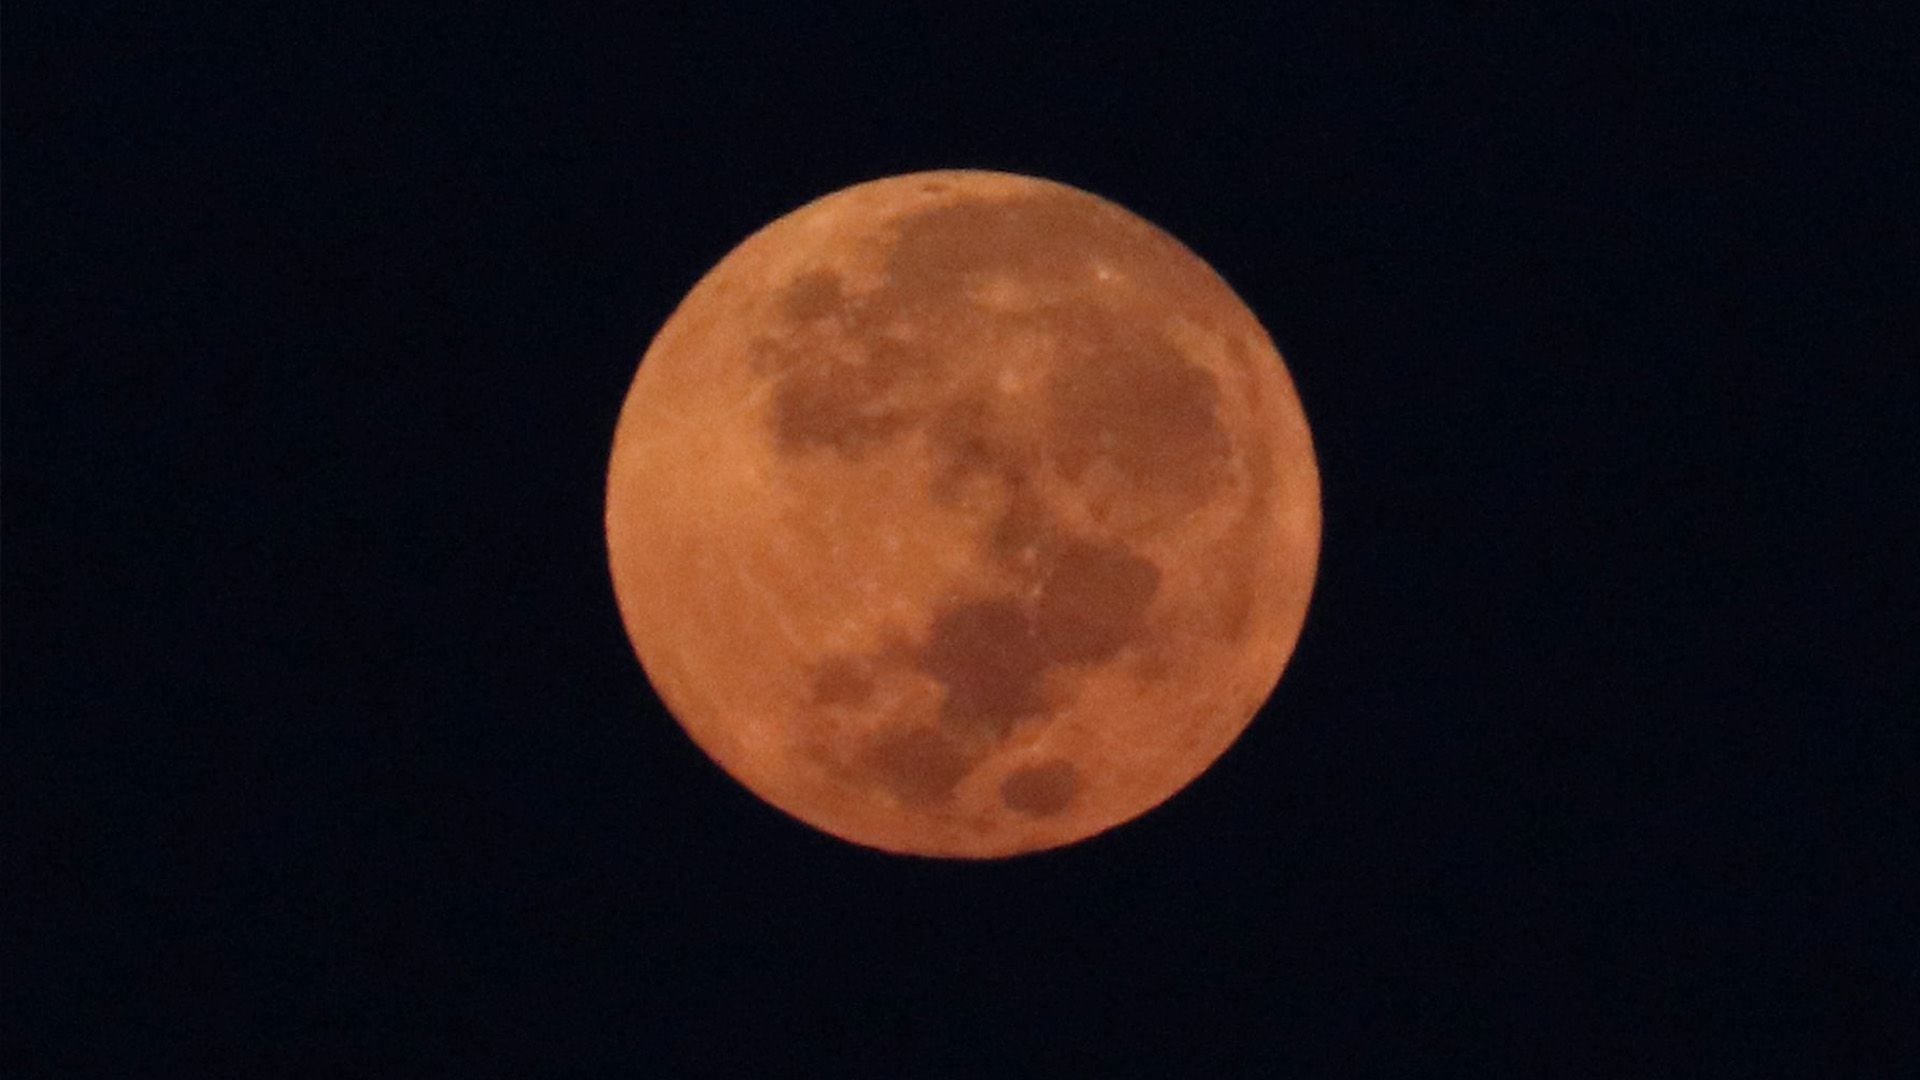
(963, 514)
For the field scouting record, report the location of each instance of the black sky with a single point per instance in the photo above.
(331, 754)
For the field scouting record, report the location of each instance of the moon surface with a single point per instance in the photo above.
(963, 514)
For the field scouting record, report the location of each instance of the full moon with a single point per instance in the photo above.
(963, 514)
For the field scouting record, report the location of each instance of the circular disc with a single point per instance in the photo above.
(963, 514)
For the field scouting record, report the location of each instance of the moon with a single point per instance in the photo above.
(963, 514)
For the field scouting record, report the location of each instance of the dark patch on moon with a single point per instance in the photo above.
(917, 764)
(812, 295)
(993, 655)
(847, 404)
(820, 410)
(960, 436)
(1093, 602)
(983, 653)
(1040, 790)
(1041, 241)
(1024, 539)
(1144, 408)
(841, 680)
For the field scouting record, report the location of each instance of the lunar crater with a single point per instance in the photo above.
(1040, 790)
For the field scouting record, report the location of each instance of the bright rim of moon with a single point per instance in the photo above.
(963, 514)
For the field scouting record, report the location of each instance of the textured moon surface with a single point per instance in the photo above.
(963, 514)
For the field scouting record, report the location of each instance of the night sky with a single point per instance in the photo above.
(330, 754)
